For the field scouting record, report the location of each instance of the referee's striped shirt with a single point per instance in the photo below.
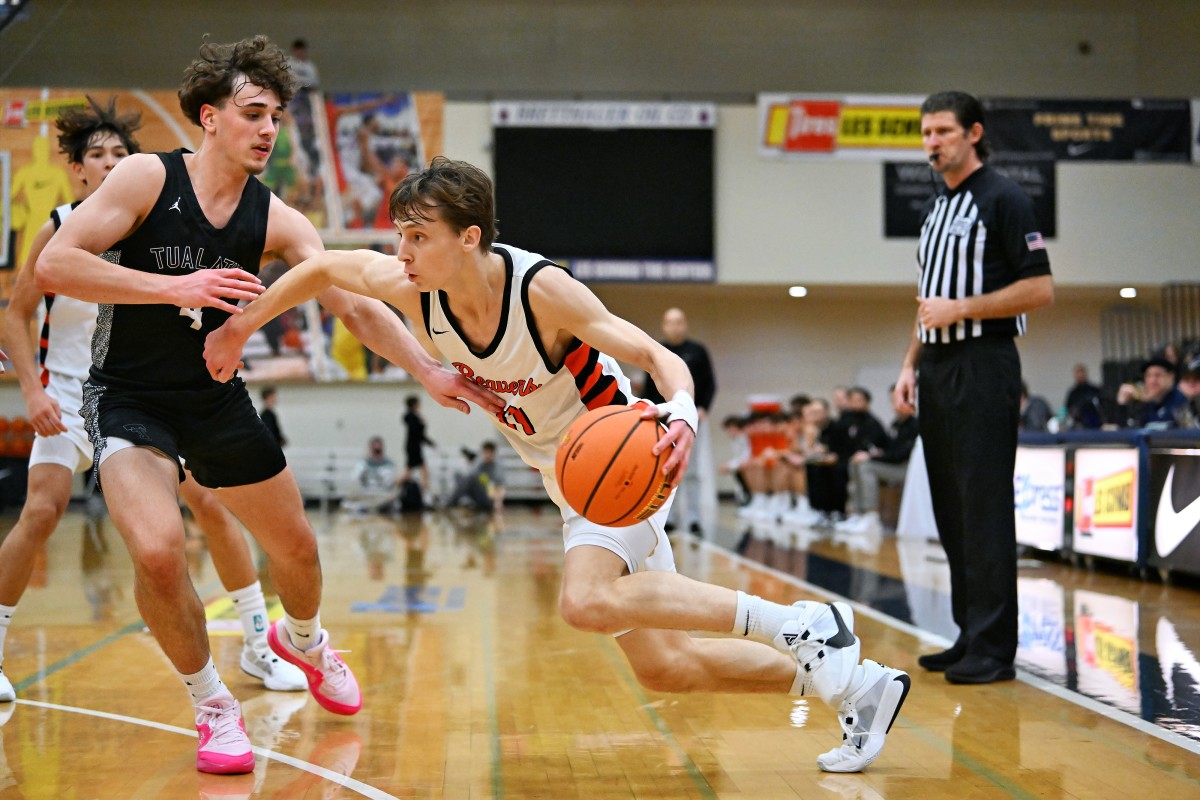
(977, 238)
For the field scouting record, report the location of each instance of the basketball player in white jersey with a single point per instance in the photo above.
(94, 140)
(188, 233)
(520, 325)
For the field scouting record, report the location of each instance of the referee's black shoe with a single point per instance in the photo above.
(939, 662)
(980, 669)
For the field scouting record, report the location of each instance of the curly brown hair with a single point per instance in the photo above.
(222, 69)
(78, 128)
(461, 191)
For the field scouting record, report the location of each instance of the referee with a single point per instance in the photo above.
(983, 264)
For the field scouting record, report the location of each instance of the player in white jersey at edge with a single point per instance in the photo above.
(94, 139)
(514, 320)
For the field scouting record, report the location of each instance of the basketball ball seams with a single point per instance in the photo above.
(562, 469)
(641, 497)
(604, 473)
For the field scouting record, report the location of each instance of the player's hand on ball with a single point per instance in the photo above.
(682, 421)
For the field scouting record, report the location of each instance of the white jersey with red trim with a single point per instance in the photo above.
(543, 398)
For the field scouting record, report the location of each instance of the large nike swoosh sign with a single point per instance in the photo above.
(1171, 527)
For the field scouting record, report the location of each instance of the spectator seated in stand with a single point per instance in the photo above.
(1035, 411)
(1188, 415)
(482, 487)
(1083, 402)
(376, 485)
(856, 430)
(739, 447)
(1155, 403)
(887, 464)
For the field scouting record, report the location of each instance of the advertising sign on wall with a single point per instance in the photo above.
(1106, 502)
(1039, 495)
(1090, 130)
(887, 126)
(1175, 509)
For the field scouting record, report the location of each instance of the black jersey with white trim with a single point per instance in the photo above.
(162, 346)
(977, 238)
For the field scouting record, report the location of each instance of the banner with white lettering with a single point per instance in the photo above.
(841, 126)
(908, 187)
(596, 114)
(1175, 509)
(1089, 130)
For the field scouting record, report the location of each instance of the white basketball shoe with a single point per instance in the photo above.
(276, 674)
(866, 715)
(822, 641)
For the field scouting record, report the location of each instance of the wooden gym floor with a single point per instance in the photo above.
(474, 688)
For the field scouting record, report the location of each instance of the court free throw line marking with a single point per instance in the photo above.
(321, 772)
(1083, 701)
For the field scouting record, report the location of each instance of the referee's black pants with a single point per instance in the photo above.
(969, 396)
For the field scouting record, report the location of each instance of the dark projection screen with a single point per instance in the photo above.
(615, 193)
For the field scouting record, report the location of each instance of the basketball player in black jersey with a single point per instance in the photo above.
(189, 232)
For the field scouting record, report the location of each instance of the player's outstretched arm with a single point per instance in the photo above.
(351, 284)
(44, 412)
(561, 303)
(70, 264)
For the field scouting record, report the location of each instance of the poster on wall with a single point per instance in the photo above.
(1106, 649)
(377, 139)
(1039, 495)
(1106, 502)
(1090, 130)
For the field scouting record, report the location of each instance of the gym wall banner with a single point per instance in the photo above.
(1106, 502)
(1175, 509)
(1090, 130)
(1039, 496)
(840, 126)
(908, 186)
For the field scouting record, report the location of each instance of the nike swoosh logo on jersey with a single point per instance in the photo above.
(439, 333)
(1171, 527)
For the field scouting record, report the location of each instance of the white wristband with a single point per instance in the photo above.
(681, 406)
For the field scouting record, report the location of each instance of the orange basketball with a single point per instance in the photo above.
(606, 470)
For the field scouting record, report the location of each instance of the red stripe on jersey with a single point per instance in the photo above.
(605, 398)
(577, 359)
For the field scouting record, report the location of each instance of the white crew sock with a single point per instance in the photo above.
(760, 619)
(304, 633)
(203, 684)
(6, 614)
(252, 609)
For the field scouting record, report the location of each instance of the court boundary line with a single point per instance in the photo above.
(1062, 693)
(366, 790)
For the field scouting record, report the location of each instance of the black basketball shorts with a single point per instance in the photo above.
(215, 430)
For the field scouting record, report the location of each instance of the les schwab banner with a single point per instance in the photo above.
(850, 126)
(1106, 502)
